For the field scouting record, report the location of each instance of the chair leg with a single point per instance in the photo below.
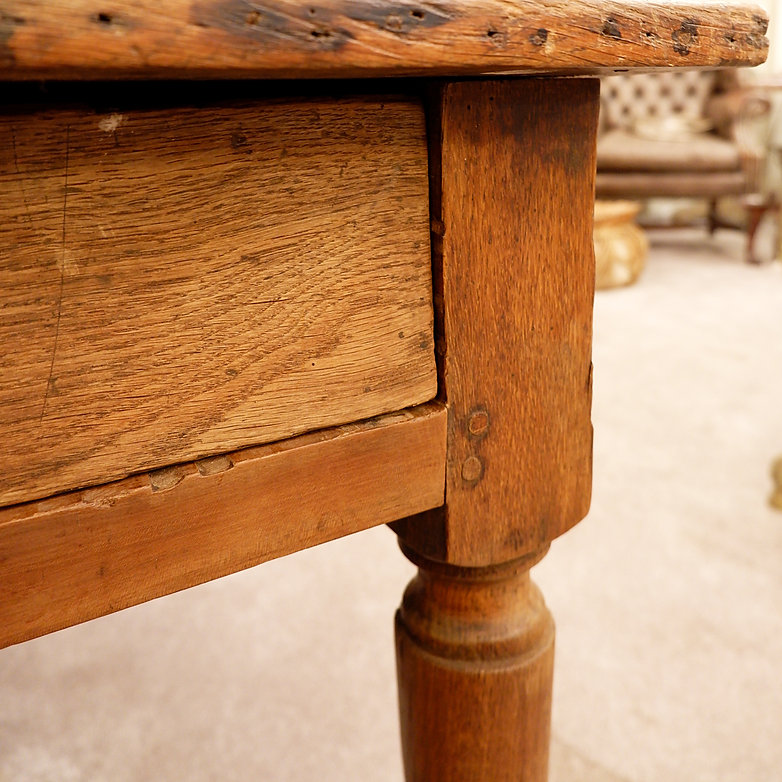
(712, 220)
(755, 214)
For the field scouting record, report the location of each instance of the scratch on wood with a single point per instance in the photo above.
(62, 271)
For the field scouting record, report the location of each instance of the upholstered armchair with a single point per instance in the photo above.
(677, 134)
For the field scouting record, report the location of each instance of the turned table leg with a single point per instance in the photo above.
(512, 189)
(473, 643)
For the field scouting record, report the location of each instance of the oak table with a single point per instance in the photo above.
(275, 272)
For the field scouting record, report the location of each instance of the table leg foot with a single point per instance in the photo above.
(475, 653)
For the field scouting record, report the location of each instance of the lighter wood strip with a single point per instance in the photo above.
(76, 557)
(348, 38)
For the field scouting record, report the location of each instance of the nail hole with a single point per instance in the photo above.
(104, 18)
(611, 28)
(539, 37)
(417, 14)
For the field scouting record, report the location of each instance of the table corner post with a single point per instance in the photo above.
(512, 166)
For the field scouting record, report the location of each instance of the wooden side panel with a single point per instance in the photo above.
(65, 39)
(72, 558)
(514, 187)
(178, 283)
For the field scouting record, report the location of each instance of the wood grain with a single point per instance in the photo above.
(75, 557)
(475, 658)
(513, 181)
(87, 39)
(181, 282)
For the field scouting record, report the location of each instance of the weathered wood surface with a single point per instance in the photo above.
(75, 557)
(512, 172)
(475, 660)
(71, 39)
(183, 282)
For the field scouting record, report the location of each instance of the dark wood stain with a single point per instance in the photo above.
(539, 37)
(756, 41)
(315, 26)
(109, 20)
(761, 22)
(271, 27)
(611, 28)
(8, 25)
(399, 18)
(685, 37)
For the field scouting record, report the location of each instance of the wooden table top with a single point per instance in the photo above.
(85, 39)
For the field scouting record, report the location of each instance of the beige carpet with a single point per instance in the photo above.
(668, 598)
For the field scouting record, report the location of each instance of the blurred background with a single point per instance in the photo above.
(668, 597)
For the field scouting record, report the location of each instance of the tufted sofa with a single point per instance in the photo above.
(671, 134)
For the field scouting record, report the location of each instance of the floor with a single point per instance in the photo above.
(668, 597)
